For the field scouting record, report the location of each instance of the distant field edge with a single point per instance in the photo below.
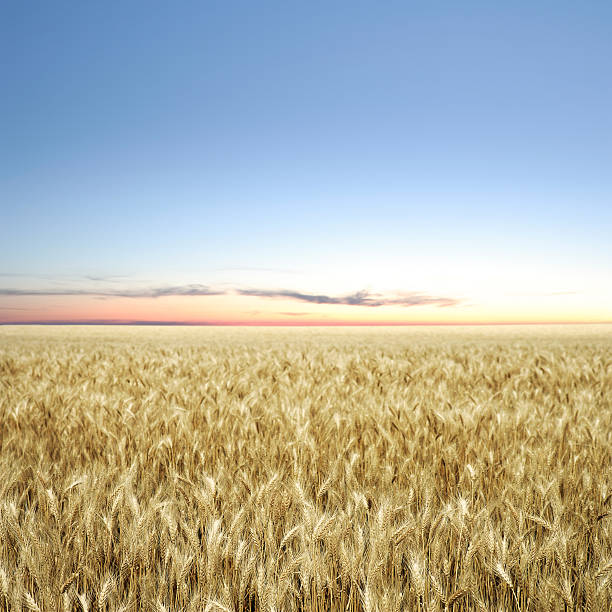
(282, 324)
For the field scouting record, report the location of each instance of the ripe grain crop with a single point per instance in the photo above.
(305, 469)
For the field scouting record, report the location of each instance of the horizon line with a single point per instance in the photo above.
(140, 323)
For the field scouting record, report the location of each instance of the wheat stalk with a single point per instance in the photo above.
(271, 470)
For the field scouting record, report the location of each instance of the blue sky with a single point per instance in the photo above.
(452, 149)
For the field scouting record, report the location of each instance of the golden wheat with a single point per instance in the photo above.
(310, 469)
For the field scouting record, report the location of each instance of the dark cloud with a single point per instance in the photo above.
(155, 292)
(360, 298)
(183, 290)
(304, 297)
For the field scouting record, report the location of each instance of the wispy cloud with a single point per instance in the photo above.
(104, 279)
(359, 298)
(154, 292)
(418, 299)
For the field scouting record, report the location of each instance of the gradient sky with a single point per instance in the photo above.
(306, 162)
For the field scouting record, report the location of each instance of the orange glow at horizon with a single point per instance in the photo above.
(231, 309)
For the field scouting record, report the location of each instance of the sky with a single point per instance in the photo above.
(302, 163)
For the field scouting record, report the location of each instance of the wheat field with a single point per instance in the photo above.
(306, 469)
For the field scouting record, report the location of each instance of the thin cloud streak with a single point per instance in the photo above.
(105, 279)
(182, 290)
(359, 298)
